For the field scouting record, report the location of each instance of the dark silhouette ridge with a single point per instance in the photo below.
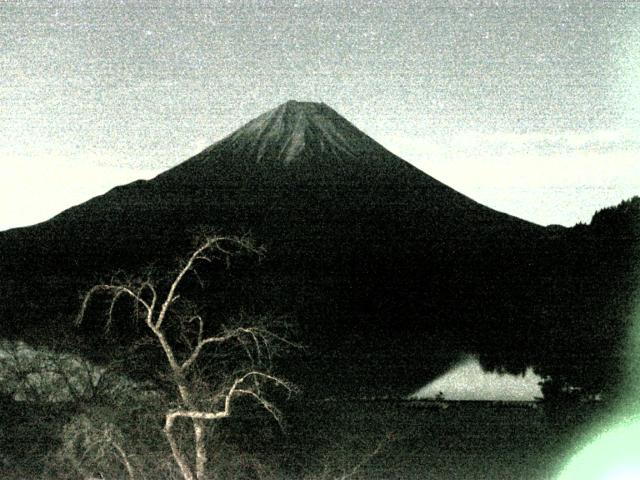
(389, 274)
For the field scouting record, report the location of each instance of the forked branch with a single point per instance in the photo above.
(256, 341)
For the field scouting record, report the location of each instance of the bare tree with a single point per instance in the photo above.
(157, 308)
(99, 445)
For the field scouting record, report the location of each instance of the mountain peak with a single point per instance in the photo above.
(292, 112)
(303, 107)
(286, 133)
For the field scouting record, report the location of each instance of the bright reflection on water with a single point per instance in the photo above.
(468, 381)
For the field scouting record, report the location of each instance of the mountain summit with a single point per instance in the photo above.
(297, 129)
(296, 132)
(308, 149)
(389, 275)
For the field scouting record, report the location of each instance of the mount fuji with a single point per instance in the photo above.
(390, 276)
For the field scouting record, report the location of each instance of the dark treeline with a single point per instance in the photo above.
(577, 330)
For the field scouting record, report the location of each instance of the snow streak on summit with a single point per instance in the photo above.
(286, 132)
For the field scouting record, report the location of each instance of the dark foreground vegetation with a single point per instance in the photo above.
(197, 399)
(322, 441)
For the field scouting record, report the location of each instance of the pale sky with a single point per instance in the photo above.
(529, 107)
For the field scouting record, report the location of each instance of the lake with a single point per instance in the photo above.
(423, 440)
(383, 439)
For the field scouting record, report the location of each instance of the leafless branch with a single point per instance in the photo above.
(365, 460)
(256, 340)
(116, 291)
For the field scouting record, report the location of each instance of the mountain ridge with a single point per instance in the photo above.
(273, 141)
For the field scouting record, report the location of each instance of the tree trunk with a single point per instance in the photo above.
(180, 459)
(199, 429)
(125, 460)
